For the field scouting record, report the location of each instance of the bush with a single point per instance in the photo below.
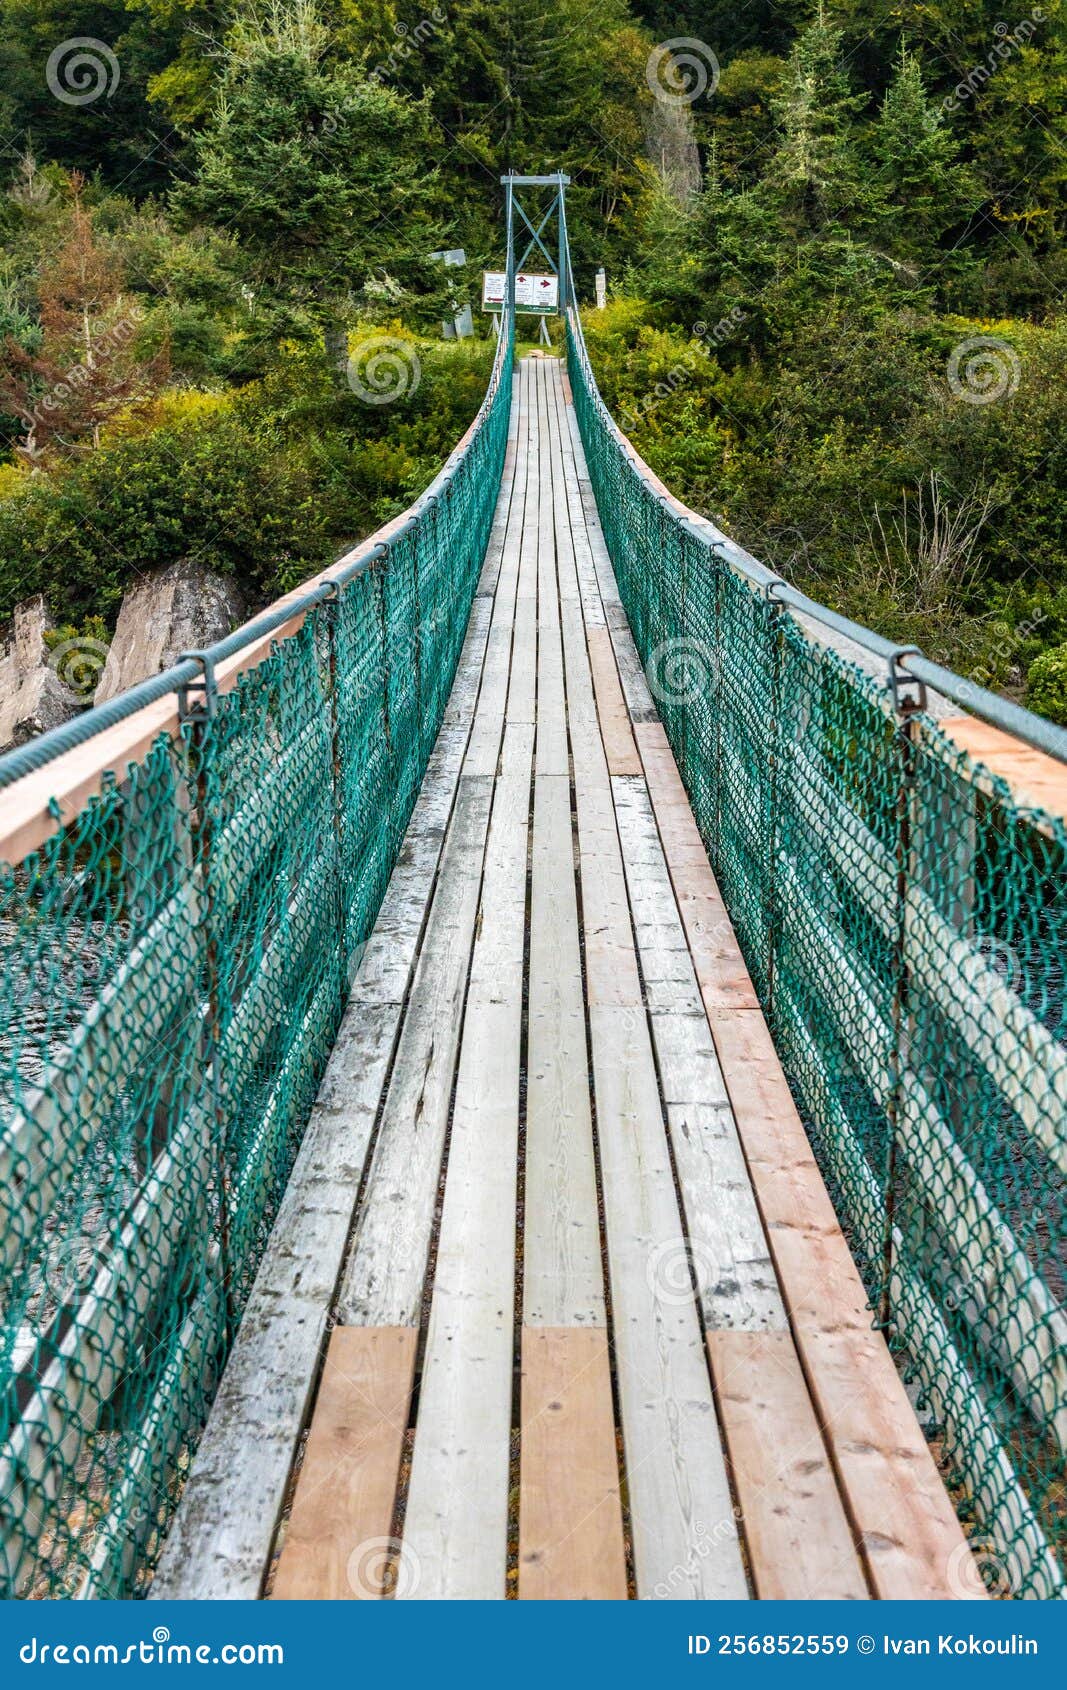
(1046, 685)
(267, 484)
(212, 491)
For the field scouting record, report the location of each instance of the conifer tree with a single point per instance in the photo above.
(925, 191)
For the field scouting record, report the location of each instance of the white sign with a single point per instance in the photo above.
(532, 292)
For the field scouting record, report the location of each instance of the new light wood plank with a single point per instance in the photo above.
(908, 1529)
(1035, 778)
(720, 967)
(570, 1514)
(800, 1545)
(337, 1541)
(619, 747)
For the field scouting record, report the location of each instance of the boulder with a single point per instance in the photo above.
(36, 693)
(171, 610)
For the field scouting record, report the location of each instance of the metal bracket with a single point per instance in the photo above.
(905, 703)
(770, 588)
(203, 708)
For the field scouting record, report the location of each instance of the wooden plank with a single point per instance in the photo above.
(827, 1306)
(955, 1397)
(383, 1280)
(635, 688)
(615, 728)
(562, 1280)
(908, 1527)
(728, 1251)
(684, 1535)
(456, 1522)
(816, 1271)
(338, 1539)
(798, 1538)
(570, 1514)
(1035, 778)
(720, 967)
(385, 1274)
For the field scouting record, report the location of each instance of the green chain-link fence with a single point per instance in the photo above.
(905, 923)
(175, 961)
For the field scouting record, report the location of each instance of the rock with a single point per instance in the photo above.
(36, 691)
(176, 609)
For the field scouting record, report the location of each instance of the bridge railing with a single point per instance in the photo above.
(903, 912)
(187, 877)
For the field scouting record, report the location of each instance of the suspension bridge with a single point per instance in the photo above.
(536, 1068)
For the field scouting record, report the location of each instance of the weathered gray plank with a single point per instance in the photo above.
(456, 1522)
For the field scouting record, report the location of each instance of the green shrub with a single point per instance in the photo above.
(267, 484)
(1046, 685)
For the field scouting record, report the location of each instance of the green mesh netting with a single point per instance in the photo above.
(173, 969)
(905, 924)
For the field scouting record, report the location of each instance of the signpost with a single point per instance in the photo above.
(536, 293)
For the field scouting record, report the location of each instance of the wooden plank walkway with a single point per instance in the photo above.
(557, 1305)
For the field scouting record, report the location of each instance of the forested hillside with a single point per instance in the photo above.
(831, 234)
